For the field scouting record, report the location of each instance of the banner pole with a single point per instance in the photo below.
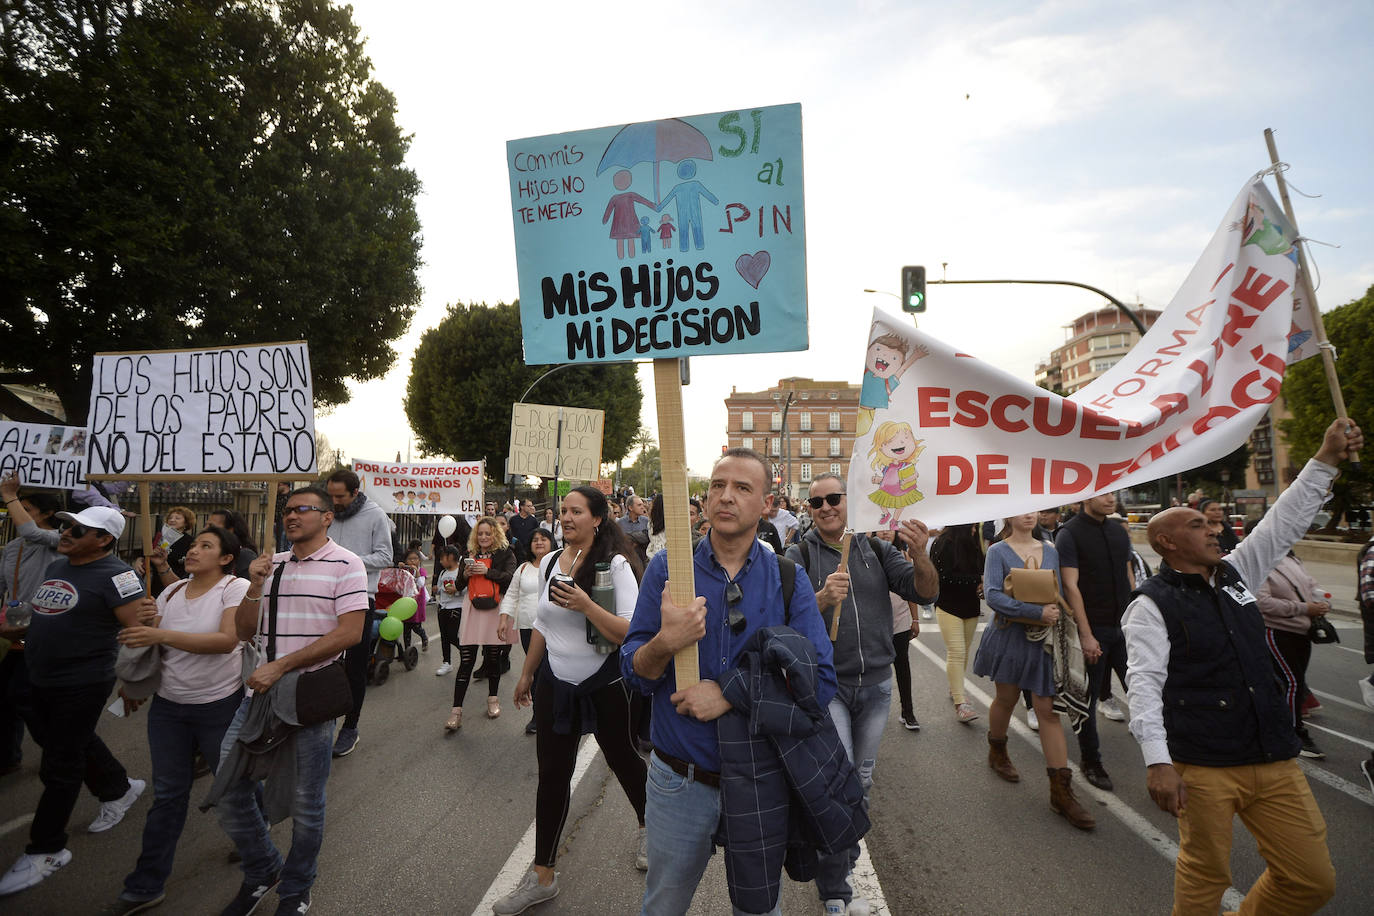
(145, 511)
(672, 446)
(1333, 383)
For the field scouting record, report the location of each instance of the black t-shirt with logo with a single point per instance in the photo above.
(71, 639)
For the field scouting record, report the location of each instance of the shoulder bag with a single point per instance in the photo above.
(322, 694)
(1031, 585)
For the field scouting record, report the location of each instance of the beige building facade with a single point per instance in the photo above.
(819, 432)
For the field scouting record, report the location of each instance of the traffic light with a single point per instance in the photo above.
(914, 289)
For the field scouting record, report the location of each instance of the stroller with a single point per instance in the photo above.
(393, 584)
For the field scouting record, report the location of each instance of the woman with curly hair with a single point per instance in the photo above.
(488, 569)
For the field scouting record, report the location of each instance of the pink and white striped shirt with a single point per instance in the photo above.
(313, 592)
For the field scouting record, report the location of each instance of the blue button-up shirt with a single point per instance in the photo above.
(719, 650)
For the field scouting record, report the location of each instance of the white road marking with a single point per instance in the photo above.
(1341, 700)
(14, 824)
(1351, 738)
(523, 854)
(864, 881)
(1331, 779)
(1161, 842)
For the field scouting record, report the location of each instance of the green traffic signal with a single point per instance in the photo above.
(914, 289)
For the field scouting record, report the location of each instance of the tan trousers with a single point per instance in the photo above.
(1276, 805)
(958, 635)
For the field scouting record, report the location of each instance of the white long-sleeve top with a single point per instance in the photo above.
(521, 600)
(1147, 638)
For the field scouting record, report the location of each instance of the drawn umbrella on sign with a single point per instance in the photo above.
(669, 140)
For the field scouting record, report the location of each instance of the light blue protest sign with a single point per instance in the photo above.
(678, 237)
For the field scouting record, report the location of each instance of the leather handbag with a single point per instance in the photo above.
(1031, 585)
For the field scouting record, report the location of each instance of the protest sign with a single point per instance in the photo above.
(949, 439)
(43, 455)
(244, 412)
(423, 488)
(677, 237)
(548, 441)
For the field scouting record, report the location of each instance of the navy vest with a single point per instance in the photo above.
(1223, 705)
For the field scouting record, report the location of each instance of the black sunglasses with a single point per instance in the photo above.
(301, 510)
(77, 530)
(832, 498)
(733, 595)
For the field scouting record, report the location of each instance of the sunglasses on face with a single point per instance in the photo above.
(302, 510)
(832, 498)
(76, 530)
(733, 595)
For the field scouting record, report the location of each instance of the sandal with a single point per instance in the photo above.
(493, 707)
(455, 722)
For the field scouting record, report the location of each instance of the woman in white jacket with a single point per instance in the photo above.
(522, 598)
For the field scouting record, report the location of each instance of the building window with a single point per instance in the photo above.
(834, 421)
(837, 469)
(805, 421)
(1102, 365)
(773, 446)
(835, 450)
(806, 446)
(746, 421)
(777, 420)
(747, 442)
(805, 472)
(806, 395)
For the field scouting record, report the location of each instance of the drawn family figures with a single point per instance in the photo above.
(620, 212)
(666, 229)
(893, 458)
(889, 356)
(688, 195)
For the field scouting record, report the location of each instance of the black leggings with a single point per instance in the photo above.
(901, 669)
(1291, 653)
(557, 756)
(493, 658)
(448, 630)
(414, 626)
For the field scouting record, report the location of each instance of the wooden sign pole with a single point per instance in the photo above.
(145, 511)
(1305, 277)
(672, 448)
(844, 568)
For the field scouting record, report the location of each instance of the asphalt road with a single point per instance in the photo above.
(420, 822)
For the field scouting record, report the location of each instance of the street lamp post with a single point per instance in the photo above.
(787, 443)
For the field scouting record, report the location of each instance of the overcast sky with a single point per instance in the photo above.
(1084, 141)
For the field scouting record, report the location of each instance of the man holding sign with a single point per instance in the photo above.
(742, 584)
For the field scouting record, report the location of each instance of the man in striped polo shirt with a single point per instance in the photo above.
(321, 597)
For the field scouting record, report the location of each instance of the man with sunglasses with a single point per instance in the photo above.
(864, 649)
(742, 585)
(88, 595)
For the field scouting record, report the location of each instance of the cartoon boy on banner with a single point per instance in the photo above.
(889, 356)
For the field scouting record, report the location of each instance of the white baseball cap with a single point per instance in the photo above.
(107, 519)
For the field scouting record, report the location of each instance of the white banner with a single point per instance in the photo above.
(949, 439)
(245, 412)
(43, 455)
(544, 438)
(423, 488)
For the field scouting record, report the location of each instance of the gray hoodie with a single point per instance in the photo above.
(367, 533)
(863, 648)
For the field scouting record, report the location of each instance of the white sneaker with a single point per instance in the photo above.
(526, 894)
(1032, 720)
(112, 812)
(28, 870)
(1111, 710)
(1367, 691)
(443, 669)
(833, 907)
(642, 855)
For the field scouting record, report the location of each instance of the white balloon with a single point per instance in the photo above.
(447, 525)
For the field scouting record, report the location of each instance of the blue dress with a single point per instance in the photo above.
(1004, 653)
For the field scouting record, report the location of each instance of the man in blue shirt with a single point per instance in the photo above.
(742, 590)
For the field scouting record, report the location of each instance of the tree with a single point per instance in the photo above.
(469, 369)
(192, 175)
(1350, 328)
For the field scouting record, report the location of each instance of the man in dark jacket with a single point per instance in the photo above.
(1215, 731)
(863, 646)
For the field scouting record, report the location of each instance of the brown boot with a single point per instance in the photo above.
(1063, 801)
(999, 761)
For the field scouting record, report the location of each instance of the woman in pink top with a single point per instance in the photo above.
(200, 691)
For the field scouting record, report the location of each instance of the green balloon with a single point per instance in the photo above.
(402, 608)
(390, 629)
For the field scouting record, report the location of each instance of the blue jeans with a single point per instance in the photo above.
(681, 816)
(860, 715)
(242, 820)
(175, 732)
(1111, 640)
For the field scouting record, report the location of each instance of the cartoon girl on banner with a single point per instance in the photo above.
(888, 357)
(893, 458)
